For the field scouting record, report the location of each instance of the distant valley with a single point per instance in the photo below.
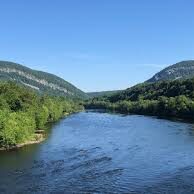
(103, 93)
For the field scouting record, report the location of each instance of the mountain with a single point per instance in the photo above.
(38, 80)
(103, 93)
(170, 93)
(181, 70)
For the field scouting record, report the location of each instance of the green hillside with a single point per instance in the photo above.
(103, 93)
(166, 98)
(169, 93)
(181, 70)
(38, 80)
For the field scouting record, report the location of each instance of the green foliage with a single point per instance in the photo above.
(41, 116)
(17, 128)
(23, 111)
(175, 99)
(152, 91)
(103, 93)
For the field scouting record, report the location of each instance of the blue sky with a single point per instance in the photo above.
(97, 44)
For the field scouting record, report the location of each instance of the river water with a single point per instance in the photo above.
(93, 152)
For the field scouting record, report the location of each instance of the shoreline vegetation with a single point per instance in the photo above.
(173, 99)
(38, 138)
(24, 114)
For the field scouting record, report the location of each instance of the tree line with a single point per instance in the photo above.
(166, 98)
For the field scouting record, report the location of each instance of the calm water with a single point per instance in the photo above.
(104, 153)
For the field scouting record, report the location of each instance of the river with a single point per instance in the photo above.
(93, 152)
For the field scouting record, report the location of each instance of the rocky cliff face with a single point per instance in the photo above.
(182, 70)
(41, 81)
(33, 78)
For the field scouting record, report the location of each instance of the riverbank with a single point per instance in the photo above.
(37, 138)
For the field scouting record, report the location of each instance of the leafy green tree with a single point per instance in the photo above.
(41, 116)
(22, 111)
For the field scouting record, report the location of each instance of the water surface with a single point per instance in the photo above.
(93, 152)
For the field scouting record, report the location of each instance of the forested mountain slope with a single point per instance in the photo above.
(38, 80)
(164, 98)
(103, 93)
(181, 70)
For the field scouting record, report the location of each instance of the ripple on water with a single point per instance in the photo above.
(105, 153)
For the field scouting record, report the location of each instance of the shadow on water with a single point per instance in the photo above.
(174, 119)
